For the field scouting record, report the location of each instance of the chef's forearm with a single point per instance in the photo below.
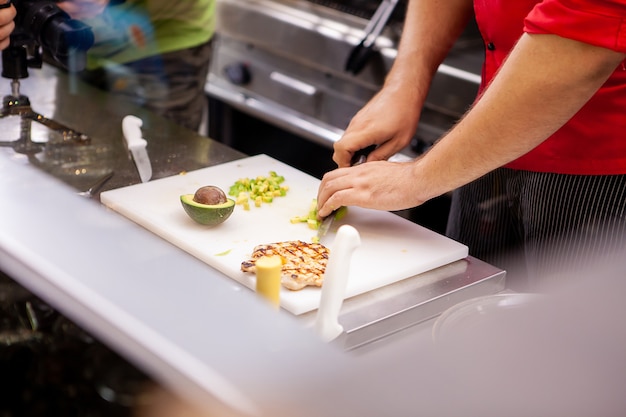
(430, 30)
(543, 83)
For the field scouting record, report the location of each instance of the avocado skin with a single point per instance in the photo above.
(208, 215)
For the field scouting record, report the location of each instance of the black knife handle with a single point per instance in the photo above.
(360, 156)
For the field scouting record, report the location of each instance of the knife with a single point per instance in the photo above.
(335, 281)
(358, 158)
(131, 127)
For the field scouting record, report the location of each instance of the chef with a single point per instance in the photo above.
(537, 164)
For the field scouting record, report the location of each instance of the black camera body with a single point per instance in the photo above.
(42, 27)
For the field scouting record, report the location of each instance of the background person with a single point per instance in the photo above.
(154, 52)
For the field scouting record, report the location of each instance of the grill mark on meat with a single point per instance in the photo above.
(304, 263)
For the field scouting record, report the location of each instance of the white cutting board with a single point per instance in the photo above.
(392, 248)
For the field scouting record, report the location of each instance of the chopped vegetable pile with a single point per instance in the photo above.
(313, 220)
(260, 190)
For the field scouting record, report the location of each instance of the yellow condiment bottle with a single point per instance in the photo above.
(268, 271)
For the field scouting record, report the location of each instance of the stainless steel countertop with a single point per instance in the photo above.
(151, 301)
(172, 149)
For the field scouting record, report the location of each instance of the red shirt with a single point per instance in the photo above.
(594, 140)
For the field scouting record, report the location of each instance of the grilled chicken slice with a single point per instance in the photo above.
(303, 263)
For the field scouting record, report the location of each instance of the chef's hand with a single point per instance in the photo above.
(388, 120)
(7, 25)
(83, 9)
(380, 185)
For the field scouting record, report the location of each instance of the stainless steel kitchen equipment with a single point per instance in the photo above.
(283, 61)
(360, 54)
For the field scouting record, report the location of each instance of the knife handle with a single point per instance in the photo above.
(131, 127)
(360, 156)
(336, 276)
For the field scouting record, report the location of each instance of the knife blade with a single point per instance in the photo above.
(325, 225)
(358, 158)
(136, 144)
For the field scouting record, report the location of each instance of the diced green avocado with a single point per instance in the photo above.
(210, 215)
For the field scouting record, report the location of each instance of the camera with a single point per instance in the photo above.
(42, 27)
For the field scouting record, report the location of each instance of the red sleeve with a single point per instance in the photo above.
(596, 22)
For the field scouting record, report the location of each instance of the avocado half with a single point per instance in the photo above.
(210, 215)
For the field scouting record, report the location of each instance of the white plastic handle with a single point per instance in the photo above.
(335, 281)
(131, 127)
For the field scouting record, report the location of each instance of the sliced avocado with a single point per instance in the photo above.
(210, 215)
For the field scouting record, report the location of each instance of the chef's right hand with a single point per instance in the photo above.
(388, 120)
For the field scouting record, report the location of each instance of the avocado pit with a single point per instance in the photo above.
(216, 212)
(210, 195)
